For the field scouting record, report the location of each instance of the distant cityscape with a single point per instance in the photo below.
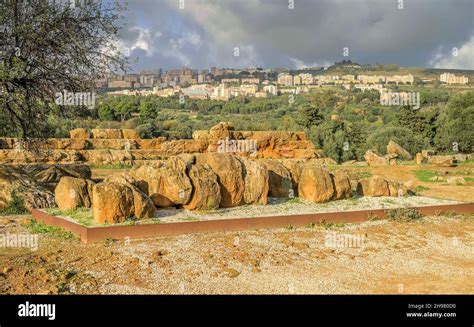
(226, 83)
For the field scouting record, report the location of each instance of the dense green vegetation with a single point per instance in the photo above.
(344, 123)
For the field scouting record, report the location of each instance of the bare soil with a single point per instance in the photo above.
(431, 255)
(428, 255)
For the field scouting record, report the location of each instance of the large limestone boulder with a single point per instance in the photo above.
(342, 185)
(151, 144)
(295, 167)
(72, 193)
(201, 136)
(105, 156)
(64, 144)
(178, 147)
(394, 148)
(315, 184)
(460, 157)
(130, 134)
(373, 186)
(305, 153)
(112, 144)
(79, 133)
(456, 180)
(121, 156)
(428, 153)
(15, 182)
(420, 158)
(53, 173)
(126, 179)
(167, 183)
(374, 159)
(397, 189)
(441, 161)
(269, 154)
(256, 180)
(206, 190)
(219, 132)
(230, 177)
(280, 183)
(143, 205)
(107, 133)
(112, 203)
(98, 156)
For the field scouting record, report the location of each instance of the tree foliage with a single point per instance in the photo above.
(48, 47)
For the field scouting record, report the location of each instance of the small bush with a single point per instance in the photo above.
(15, 207)
(403, 214)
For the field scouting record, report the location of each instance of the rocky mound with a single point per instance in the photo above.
(17, 183)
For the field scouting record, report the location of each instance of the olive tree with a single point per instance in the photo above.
(53, 50)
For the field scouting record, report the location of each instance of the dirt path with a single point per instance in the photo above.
(432, 255)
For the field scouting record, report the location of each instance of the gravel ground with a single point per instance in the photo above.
(283, 207)
(428, 255)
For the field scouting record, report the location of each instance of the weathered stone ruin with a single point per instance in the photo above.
(107, 146)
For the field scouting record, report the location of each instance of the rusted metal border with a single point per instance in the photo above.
(60, 222)
(93, 234)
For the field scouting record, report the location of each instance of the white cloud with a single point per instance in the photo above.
(299, 64)
(463, 60)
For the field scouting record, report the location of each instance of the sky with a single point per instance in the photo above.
(298, 33)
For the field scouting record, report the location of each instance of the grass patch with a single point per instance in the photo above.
(15, 207)
(421, 188)
(425, 175)
(354, 201)
(364, 174)
(294, 200)
(190, 219)
(38, 227)
(82, 216)
(403, 214)
(467, 162)
(119, 165)
(329, 225)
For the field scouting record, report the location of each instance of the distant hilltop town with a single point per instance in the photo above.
(226, 83)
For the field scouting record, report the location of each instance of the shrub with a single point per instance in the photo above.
(403, 214)
(15, 207)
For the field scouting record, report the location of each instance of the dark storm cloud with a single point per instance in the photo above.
(267, 33)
